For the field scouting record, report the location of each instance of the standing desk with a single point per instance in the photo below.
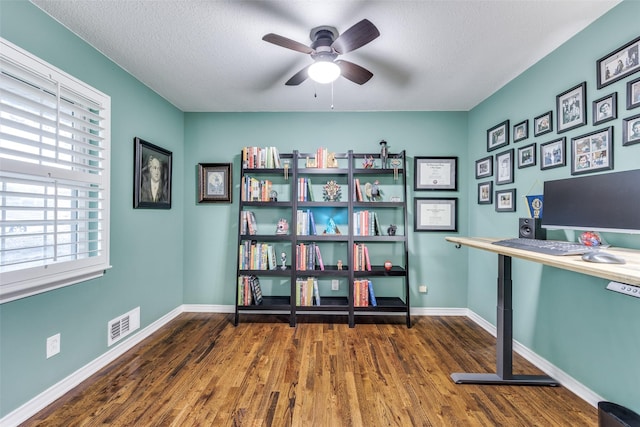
(625, 273)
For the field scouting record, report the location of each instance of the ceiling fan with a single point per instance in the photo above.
(326, 45)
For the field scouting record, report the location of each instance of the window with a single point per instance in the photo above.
(54, 177)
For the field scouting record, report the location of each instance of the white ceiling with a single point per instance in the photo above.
(431, 55)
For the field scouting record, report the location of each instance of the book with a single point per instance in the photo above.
(312, 223)
(372, 296)
(256, 290)
(319, 258)
(316, 291)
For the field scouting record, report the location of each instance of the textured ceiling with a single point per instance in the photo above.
(431, 55)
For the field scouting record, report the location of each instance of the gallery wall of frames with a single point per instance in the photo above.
(586, 153)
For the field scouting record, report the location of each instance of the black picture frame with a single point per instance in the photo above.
(543, 123)
(498, 136)
(151, 159)
(527, 156)
(633, 94)
(214, 182)
(484, 167)
(618, 64)
(435, 173)
(630, 135)
(521, 131)
(504, 167)
(552, 154)
(506, 200)
(485, 193)
(592, 152)
(435, 214)
(571, 108)
(605, 109)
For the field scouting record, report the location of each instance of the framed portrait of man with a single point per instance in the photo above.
(151, 176)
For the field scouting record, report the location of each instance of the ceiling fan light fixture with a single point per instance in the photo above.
(324, 71)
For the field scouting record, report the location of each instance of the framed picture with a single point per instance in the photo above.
(504, 167)
(552, 154)
(618, 64)
(485, 193)
(527, 156)
(521, 131)
(633, 94)
(484, 167)
(435, 214)
(605, 109)
(214, 182)
(631, 130)
(506, 200)
(151, 176)
(436, 173)
(592, 152)
(543, 124)
(498, 136)
(571, 108)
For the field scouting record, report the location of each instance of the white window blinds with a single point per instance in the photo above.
(54, 177)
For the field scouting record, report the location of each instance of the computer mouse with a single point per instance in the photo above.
(603, 257)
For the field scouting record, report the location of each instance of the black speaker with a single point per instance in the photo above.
(530, 228)
(614, 415)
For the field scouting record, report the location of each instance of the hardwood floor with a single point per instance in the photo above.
(200, 370)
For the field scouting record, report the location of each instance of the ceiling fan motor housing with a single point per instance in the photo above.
(322, 38)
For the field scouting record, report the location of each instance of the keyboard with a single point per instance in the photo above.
(549, 247)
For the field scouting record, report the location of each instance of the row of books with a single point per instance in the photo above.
(255, 190)
(257, 256)
(361, 260)
(305, 223)
(363, 294)
(324, 159)
(249, 290)
(365, 223)
(307, 293)
(305, 190)
(260, 158)
(248, 224)
(308, 256)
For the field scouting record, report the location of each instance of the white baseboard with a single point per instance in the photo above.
(56, 391)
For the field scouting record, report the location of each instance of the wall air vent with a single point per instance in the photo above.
(122, 326)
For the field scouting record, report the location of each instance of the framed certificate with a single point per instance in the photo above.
(431, 214)
(436, 173)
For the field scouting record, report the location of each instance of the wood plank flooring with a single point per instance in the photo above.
(200, 370)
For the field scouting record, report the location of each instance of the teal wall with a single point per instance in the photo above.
(146, 245)
(567, 318)
(186, 255)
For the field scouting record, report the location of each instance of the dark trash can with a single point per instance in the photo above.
(613, 415)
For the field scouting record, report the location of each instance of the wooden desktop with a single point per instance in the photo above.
(628, 273)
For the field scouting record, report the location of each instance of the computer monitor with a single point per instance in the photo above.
(608, 202)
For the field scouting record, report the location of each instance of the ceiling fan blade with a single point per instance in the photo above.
(354, 72)
(357, 36)
(298, 77)
(288, 43)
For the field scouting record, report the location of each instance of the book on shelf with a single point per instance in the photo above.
(361, 260)
(316, 291)
(372, 295)
(358, 190)
(319, 258)
(255, 190)
(361, 293)
(256, 290)
(249, 224)
(305, 291)
(261, 158)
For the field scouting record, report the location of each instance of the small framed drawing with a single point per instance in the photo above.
(633, 94)
(521, 131)
(498, 136)
(431, 214)
(527, 156)
(484, 167)
(436, 173)
(631, 130)
(485, 193)
(618, 64)
(592, 152)
(543, 124)
(571, 108)
(552, 154)
(506, 200)
(214, 182)
(605, 109)
(504, 167)
(151, 176)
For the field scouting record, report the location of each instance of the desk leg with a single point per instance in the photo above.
(504, 344)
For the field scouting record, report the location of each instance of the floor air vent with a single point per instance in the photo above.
(122, 326)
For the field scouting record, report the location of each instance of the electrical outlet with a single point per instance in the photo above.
(53, 345)
(422, 289)
(335, 285)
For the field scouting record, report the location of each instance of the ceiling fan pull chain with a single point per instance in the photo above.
(332, 95)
